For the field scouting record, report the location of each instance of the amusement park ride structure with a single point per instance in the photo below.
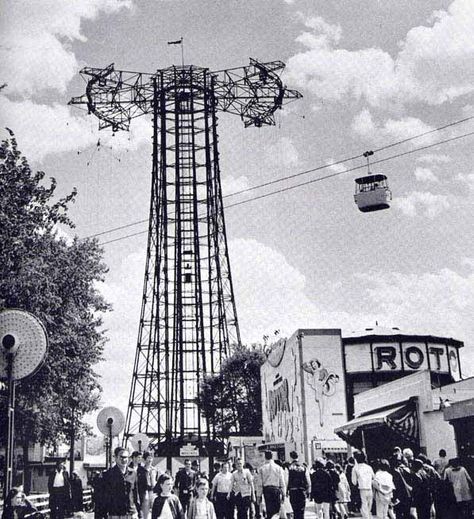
(188, 316)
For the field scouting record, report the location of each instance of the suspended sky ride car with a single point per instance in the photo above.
(372, 191)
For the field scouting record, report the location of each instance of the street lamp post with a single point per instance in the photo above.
(73, 403)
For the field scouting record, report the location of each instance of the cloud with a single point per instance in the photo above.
(42, 129)
(425, 175)
(392, 129)
(433, 158)
(233, 185)
(434, 64)
(35, 44)
(421, 203)
(466, 179)
(281, 153)
(36, 57)
(271, 294)
(335, 168)
(122, 325)
(436, 303)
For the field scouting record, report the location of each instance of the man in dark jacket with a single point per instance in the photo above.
(120, 487)
(298, 485)
(59, 490)
(321, 488)
(421, 490)
(184, 484)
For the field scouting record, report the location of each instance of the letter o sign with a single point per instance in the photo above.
(414, 357)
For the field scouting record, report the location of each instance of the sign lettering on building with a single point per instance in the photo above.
(278, 398)
(414, 357)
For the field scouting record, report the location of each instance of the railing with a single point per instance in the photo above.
(41, 502)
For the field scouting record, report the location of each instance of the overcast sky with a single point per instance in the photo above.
(372, 72)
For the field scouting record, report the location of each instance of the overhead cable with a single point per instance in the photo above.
(312, 181)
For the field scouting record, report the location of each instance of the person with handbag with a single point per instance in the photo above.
(384, 487)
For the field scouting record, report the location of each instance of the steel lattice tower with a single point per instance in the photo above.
(188, 316)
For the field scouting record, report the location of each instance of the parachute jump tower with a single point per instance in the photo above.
(188, 316)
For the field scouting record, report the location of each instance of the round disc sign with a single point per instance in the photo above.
(24, 339)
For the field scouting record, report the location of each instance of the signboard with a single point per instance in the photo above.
(188, 451)
(253, 456)
(409, 356)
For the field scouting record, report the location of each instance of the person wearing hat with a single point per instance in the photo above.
(299, 485)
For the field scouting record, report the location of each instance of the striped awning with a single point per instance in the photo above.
(401, 420)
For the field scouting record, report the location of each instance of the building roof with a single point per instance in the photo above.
(378, 333)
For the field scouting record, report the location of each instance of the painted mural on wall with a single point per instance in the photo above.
(283, 397)
(322, 382)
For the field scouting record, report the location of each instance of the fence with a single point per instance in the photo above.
(41, 502)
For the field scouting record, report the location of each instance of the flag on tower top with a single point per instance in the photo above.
(177, 42)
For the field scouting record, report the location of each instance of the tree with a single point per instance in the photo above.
(231, 399)
(57, 281)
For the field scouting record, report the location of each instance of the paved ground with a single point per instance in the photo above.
(309, 513)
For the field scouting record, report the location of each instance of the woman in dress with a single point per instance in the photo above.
(200, 507)
(166, 504)
(343, 493)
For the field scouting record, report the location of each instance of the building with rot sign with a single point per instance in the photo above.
(323, 393)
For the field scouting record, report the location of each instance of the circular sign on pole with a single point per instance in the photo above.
(140, 442)
(110, 421)
(23, 339)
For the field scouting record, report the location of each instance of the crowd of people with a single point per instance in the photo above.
(403, 487)
(134, 488)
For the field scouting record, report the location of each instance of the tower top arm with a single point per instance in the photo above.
(253, 92)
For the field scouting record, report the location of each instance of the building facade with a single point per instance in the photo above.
(303, 394)
(311, 381)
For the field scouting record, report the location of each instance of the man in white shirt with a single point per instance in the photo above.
(242, 489)
(362, 476)
(221, 487)
(59, 491)
(273, 482)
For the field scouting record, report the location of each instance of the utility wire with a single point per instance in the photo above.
(391, 157)
(312, 181)
(318, 168)
(398, 143)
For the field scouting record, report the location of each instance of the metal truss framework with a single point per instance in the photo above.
(188, 316)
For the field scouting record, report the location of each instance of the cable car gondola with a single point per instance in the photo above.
(372, 191)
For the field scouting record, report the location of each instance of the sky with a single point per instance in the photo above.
(372, 73)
